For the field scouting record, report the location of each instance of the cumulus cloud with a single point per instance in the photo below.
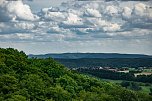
(15, 10)
(103, 25)
(19, 27)
(111, 28)
(137, 17)
(92, 13)
(75, 21)
(139, 9)
(126, 14)
(57, 30)
(111, 10)
(51, 14)
(134, 34)
(72, 21)
(25, 26)
(16, 37)
(24, 36)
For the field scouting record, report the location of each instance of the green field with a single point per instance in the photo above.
(145, 86)
(147, 70)
(146, 89)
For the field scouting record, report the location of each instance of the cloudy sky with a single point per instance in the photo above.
(54, 26)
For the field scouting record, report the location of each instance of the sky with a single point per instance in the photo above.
(61, 26)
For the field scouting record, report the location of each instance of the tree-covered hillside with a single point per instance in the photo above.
(109, 62)
(24, 79)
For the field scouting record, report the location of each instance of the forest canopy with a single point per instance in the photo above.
(32, 79)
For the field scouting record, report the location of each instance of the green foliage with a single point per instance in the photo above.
(150, 91)
(24, 79)
(17, 98)
(8, 84)
(131, 85)
(107, 74)
(58, 93)
(34, 85)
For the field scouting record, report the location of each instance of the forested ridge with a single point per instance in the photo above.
(109, 62)
(91, 56)
(31, 79)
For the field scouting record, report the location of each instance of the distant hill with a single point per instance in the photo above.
(90, 55)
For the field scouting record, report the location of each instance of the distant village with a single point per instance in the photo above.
(140, 71)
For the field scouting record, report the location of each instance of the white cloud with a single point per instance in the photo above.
(139, 13)
(78, 25)
(24, 36)
(25, 26)
(71, 22)
(49, 14)
(111, 10)
(73, 19)
(17, 36)
(126, 14)
(92, 13)
(16, 27)
(111, 27)
(139, 9)
(91, 5)
(1, 2)
(15, 10)
(141, 33)
(57, 30)
(103, 25)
